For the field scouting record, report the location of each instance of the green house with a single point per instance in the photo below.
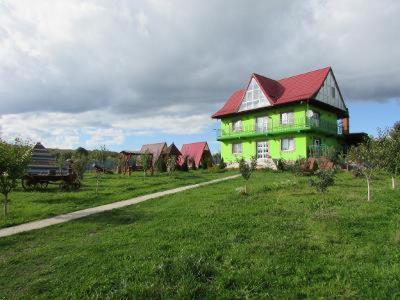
(291, 118)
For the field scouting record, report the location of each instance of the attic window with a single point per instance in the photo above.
(254, 97)
(333, 92)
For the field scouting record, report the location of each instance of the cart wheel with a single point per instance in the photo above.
(76, 185)
(27, 185)
(64, 186)
(43, 185)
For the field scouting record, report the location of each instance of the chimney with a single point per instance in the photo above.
(345, 126)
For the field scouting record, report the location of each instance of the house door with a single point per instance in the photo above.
(262, 149)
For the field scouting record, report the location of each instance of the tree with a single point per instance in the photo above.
(60, 161)
(80, 162)
(246, 169)
(217, 158)
(80, 151)
(100, 156)
(146, 160)
(222, 164)
(14, 159)
(366, 158)
(171, 164)
(323, 179)
(389, 141)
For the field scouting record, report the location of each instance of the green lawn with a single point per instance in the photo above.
(282, 241)
(28, 206)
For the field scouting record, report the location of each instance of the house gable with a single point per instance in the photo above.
(329, 93)
(254, 97)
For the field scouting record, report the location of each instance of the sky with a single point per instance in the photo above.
(122, 73)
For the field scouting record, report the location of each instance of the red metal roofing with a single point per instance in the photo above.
(155, 149)
(291, 89)
(232, 105)
(193, 151)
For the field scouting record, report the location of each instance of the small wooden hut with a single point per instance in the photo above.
(43, 161)
(197, 153)
(156, 150)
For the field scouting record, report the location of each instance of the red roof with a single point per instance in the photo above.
(155, 149)
(291, 89)
(193, 152)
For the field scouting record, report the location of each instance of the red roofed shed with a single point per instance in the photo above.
(196, 153)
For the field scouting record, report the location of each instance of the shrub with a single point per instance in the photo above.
(280, 165)
(79, 166)
(300, 167)
(247, 169)
(146, 160)
(222, 164)
(323, 179)
(171, 164)
(161, 165)
(217, 158)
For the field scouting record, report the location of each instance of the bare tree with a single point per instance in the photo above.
(366, 158)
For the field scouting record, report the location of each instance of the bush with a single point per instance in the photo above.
(79, 166)
(171, 164)
(280, 165)
(299, 167)
(247, 169)
(161, 165)
(323, 179)
(185, 165)
(216, 169)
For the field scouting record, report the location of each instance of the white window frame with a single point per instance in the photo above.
(287, 118)
(254, 97)
(237, 125)
(264, 146)
(263, 126)
(291, 146)
(237, 151)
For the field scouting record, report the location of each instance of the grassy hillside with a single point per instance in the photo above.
(284, 240)
(28, 206)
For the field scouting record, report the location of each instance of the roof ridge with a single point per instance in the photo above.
(300, 74)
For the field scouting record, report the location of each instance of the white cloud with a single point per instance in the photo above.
(80, 68)
(95, 128)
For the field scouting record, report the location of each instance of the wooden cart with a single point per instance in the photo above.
(68, 182)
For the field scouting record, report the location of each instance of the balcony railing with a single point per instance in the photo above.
(322, 151)
(297, 125)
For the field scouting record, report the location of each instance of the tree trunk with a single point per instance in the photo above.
(369, 188)
(393, 182)
(97, 185)
(5, 205)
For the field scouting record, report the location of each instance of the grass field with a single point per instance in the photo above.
(283, 240)
(28, 206)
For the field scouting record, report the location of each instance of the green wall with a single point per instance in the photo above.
(302, 139)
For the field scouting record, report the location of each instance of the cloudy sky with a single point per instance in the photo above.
(122, 73)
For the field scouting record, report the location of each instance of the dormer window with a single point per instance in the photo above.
(254, 97)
